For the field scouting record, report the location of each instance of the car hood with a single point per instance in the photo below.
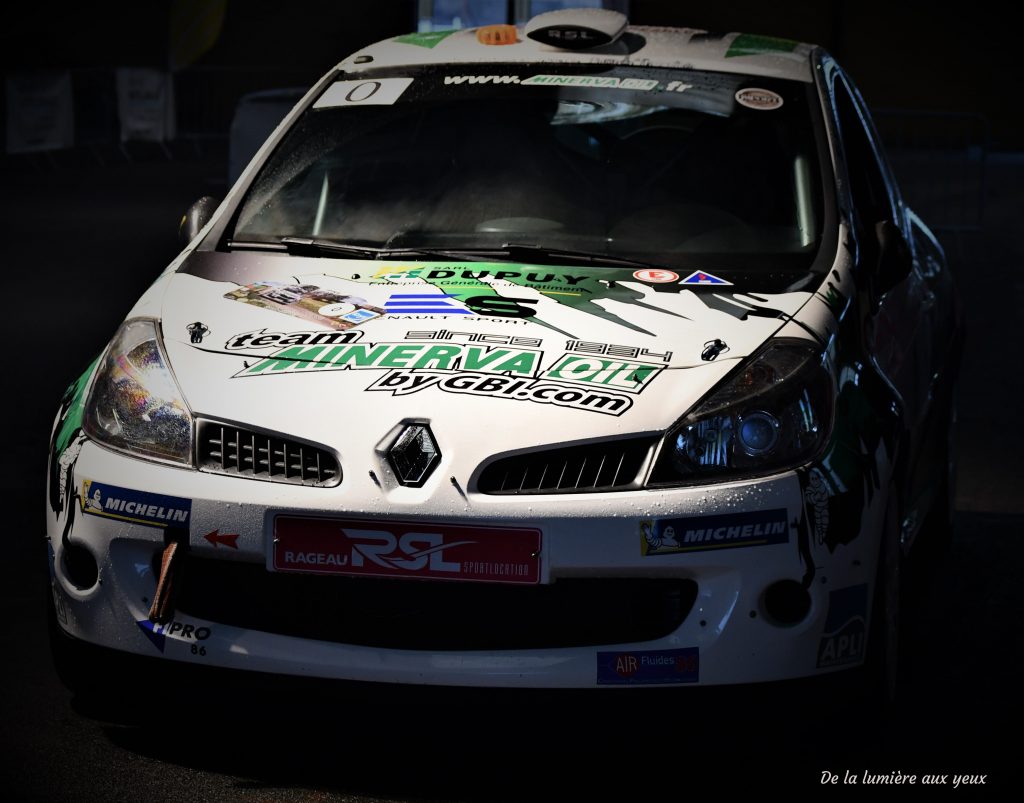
(497, 357)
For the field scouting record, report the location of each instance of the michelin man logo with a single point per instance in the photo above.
(95, 502)
(658, 540)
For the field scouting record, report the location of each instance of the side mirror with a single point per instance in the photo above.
(197, 216)
(894, 259)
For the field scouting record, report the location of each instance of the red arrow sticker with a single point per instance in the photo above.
(227, 539)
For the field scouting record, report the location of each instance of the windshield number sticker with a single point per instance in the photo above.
(366, 92)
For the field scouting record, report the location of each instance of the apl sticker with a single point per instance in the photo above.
(701, 277)
(844, 637)
(138, 507)
(648, 667)
(761, 99)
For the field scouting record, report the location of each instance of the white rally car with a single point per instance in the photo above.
(574, 355)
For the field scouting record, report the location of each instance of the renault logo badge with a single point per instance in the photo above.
(414, 455)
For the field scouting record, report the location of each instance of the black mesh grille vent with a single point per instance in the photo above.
(246, 453)
(612, 466)
(430, 615)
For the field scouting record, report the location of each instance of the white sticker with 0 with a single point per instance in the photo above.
(363, 92)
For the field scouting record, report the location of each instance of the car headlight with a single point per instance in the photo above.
(134, 404)
(772, 413)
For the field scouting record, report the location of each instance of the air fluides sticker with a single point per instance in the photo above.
(138, 507)
(648, 667)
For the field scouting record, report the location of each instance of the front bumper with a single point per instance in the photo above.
(726, 636)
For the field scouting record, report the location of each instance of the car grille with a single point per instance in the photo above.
(431, 615)
(241, 452)
(612, 466)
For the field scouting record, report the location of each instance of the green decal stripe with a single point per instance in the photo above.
(72, 420)
(428, 39)
(752, 45)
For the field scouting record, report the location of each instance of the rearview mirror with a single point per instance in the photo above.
(195, 217)
(894, 259)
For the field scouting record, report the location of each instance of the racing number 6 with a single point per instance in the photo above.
(351, 96)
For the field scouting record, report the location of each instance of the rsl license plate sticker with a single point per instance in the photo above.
(406, 549)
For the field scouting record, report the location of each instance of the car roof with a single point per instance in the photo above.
(690, 48)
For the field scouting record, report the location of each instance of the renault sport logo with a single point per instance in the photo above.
(424, 303)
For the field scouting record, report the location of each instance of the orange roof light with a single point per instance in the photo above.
(497, 35)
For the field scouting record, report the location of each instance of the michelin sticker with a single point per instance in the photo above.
(702, 533)
(137, 507)
(365, 92)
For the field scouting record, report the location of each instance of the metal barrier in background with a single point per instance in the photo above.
(208, 96)
(939, 159)
(204, 102)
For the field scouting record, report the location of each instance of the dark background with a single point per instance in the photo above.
(84, 232)
(912, 54)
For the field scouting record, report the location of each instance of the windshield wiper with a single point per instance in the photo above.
(521, 252)
(513, 252)
(302, 246)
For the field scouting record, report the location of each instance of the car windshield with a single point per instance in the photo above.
(665, 166)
